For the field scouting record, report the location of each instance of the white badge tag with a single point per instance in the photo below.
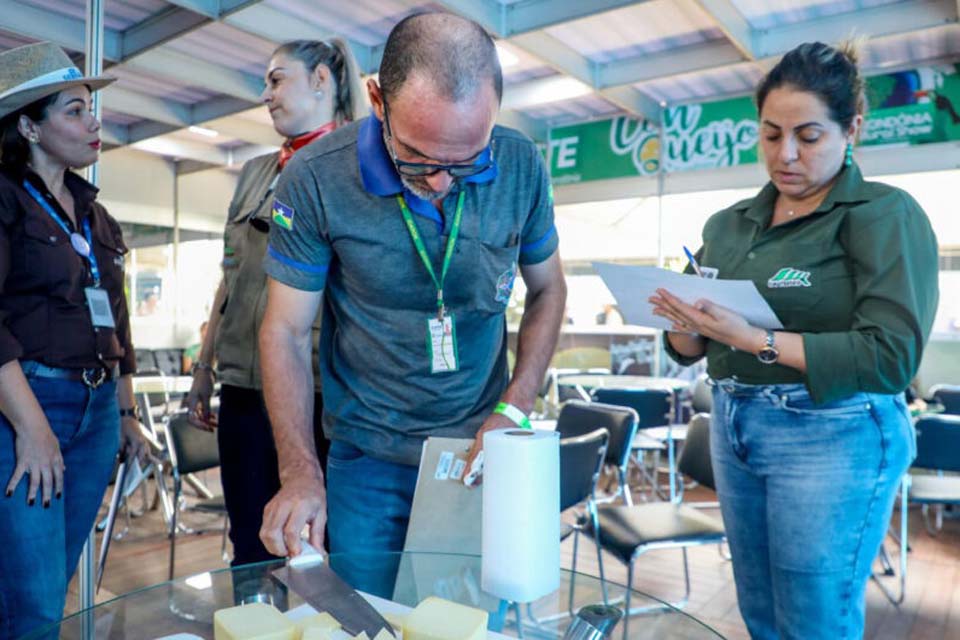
(99, 304)
(709, 272)
(442, 344)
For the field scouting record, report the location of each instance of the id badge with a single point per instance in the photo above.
(442, 344)
(99, 304)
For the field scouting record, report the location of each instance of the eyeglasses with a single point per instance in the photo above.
(424, 169)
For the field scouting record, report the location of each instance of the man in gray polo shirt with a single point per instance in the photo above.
(413, 225)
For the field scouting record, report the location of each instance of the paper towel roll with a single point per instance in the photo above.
(521, 514)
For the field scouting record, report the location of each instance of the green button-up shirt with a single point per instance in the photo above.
(857, 278)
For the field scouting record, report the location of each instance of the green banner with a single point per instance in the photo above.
(908, 107)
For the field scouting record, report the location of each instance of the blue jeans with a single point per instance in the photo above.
(806, 493)
(40, 548)
(368, 510)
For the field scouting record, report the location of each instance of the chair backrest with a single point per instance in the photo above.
(938, 443)
(695, 456)
(949, 396)
(702, 395)
(654, 407)
(579, 418)
(581, 460)
(170, 361)
(146, 361)
(191, 449)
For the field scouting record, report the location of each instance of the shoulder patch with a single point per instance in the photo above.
(283, 215)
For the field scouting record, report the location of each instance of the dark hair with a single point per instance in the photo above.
(336, 56)
(14, 148)
(456, 53)
(829, 72)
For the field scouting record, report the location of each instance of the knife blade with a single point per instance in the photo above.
(324, 590)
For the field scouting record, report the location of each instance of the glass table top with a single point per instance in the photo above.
(186, 605)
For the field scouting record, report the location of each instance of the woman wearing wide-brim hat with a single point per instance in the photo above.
(66, 399)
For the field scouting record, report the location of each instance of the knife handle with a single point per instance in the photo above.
(308, 555)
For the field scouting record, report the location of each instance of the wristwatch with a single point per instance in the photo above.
(768, 353)
(132, 412)
(202, 366)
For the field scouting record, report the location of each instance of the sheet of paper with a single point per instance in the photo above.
(632, 287)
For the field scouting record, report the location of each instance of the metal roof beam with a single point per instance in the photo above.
(276, 26)
(62, 30)
(246, 130)
(873, 22)
(734, 26)
(209, 8)
(114, 134)
(697, 57)
(158, 29)
(536, 129)
(531, 15)
(168, 63)
(488, 13)
(142, 106)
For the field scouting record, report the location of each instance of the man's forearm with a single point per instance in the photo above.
(288, 394)
(205, 354)
(536, 341)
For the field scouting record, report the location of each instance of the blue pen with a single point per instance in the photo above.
(693, 262)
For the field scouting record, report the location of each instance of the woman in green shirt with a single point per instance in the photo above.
(810, 432)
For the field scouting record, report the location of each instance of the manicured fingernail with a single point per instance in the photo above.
(9, 493)
(46, 505)
(30, 502)
(59, 494)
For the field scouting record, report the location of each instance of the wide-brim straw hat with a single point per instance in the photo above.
(36, 71)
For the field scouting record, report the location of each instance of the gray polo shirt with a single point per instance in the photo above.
(337, 227)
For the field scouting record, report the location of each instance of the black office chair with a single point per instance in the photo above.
(628, 532)
(655, 432)
(191, 450)
(949, 396)
(938, 451)
(581, 463)
(578, 418)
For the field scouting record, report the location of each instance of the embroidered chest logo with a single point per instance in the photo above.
(789, 277)
(505, 284)
(283, 215)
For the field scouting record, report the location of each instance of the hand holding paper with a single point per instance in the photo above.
(633, 287)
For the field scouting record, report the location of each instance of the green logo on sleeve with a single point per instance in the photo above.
(789, 277)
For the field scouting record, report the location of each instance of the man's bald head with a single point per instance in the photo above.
(455, 55)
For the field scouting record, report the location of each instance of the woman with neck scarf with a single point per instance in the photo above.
(311, 89)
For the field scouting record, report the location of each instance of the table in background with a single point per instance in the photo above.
(187, 605)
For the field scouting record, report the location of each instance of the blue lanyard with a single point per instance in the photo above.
(94, 270)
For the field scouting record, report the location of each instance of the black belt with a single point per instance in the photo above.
(92, 377)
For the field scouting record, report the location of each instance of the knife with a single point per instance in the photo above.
(310, 577)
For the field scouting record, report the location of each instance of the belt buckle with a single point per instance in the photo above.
(101, 374)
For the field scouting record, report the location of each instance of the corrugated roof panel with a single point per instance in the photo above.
(117, 14)
(120, 118)
(365, 21)
(725, 81)
(225, 45)
(520, 59)
(158, 87)
(646, 28)
(578, 109)
(912, 49)
(767, 14)
(12, 40)
(524, 76)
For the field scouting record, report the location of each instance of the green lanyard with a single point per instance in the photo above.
(422, 250)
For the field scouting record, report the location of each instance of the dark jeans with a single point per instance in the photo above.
(40, 548)
(248, 466)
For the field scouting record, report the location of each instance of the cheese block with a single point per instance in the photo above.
(395, 620)
(317, 627)
(257, 621)
(323, 621)
(383, 634)
(439, 619)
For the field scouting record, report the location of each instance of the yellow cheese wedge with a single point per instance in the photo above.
(255, 621)
(439, 619)
(383, 634)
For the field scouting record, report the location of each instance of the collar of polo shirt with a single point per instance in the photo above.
(380, 176)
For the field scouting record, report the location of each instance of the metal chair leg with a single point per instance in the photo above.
(173, 524)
